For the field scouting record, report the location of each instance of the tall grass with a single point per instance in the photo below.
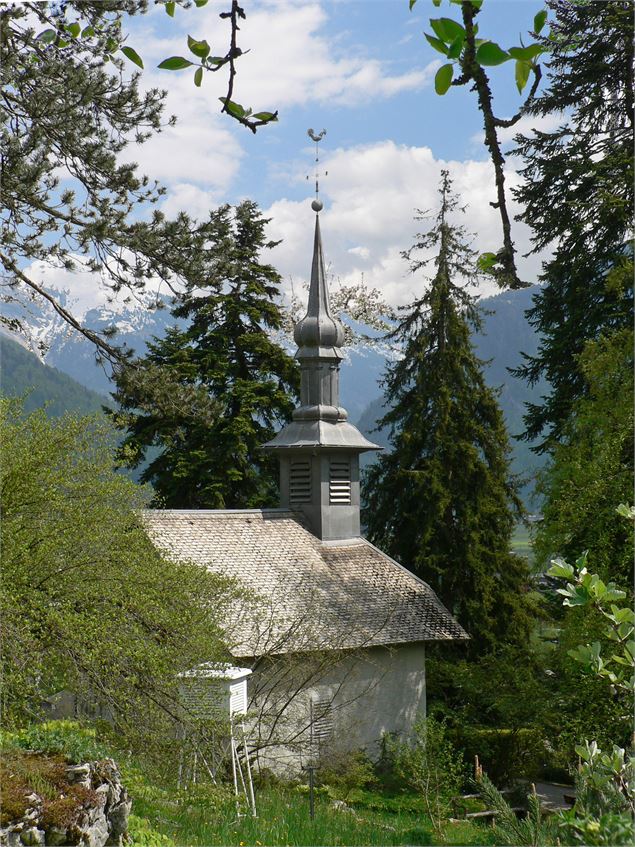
(206, 816)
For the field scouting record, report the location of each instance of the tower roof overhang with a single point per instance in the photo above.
(314, 434)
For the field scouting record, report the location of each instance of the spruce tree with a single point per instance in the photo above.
(577, 195)
(442, 501)
(210, 453)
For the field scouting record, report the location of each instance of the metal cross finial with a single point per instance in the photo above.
(317, 204)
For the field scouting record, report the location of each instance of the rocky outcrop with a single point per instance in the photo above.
(91, 810)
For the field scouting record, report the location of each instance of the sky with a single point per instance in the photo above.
(362, 70)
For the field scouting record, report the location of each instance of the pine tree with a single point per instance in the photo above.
(210, 454)
(591, 471)
(441, 501)
(577, 195)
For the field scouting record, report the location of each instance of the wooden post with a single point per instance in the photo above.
(311, 770)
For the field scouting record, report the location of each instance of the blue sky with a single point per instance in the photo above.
(361, 69)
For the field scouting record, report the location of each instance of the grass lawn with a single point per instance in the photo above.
(283, 819)
(522, 544)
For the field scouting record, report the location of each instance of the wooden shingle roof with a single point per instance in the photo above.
(305, 594)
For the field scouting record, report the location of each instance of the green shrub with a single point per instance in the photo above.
(431, 766)
(213, 800)
(606, 830)
(76, 742)
(505, 754)
(346, 772)
(531, 830)
(141, 832)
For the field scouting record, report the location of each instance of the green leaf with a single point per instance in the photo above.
(443, 79)
(88, 32)
(526, 54)
(199, 3)
(111, 45)
(540, 20)
(131, 54)
(74, 29)
(169, 8)
(199, 48)
(175, 63)
(47, 36)
(234, 109)
(624, 615)
(198, 77)
(436, 3)
(446, 29)
(626, 511)
(452, 28)
(436, 43)
(491, 54)
(575, 596)
(412, 3)
(455, 48)
(437, 26)
(265, 116)
(486, 262)
(559, 568)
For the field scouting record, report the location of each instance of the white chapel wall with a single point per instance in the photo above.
(371, 693)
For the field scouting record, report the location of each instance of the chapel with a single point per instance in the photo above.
(333, 629)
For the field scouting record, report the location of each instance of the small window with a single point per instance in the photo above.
(300, 483)
(340, 483)
(321, 721)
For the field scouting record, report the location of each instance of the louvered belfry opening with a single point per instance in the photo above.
(321, 721)
(340, 482)
(300, 482)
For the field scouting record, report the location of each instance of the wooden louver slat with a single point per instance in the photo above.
(340, 483)
(300, 482)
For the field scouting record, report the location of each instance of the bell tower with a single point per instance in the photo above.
(319, 450)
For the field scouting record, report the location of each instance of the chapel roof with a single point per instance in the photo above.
(305, 594)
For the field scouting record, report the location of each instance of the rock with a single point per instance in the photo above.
(96, 834)
(10, 837)
(32, 837)
(118, 820)
(105, 822)
(79, 775)
(103, 794)
(55, 835)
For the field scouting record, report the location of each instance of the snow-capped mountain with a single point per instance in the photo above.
(505, 335)
(47, 334)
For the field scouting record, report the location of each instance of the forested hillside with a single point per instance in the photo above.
(22, 374)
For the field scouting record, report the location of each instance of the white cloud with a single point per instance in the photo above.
(82, 290)
(295, 62)
(371, 197)
(200, 148)
(190, 198)
(204, 149)
(542, 123)
(370, 201)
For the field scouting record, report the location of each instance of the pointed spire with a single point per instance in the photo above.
(319, 333)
